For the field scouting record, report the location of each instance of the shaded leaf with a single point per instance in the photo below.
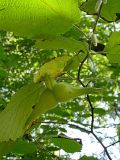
(23, 147)
(19, 147)
(71, 45)
(88, 158)
(68, 145)
(100, 111)
(118, 131)
(14, 116)
(113, 47)
(74, 62)
(113, 6)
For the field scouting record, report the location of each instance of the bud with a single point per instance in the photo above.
(94, 39)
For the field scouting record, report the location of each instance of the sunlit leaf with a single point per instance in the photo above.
(53, 68)
(39, 17)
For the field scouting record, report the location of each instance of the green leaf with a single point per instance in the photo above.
(39, 17)
(53, 68)
(5, 147)
(61, 92)
(118, 131)
(68, 145)
(88, 158)
(14, 116)
(3, 73)
(113, 6)
(18, 147)
(74, 62)
(113, 47)
(100, 111)
(71, 45)
(23, 147)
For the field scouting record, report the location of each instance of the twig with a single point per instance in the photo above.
(80, 31)
(79, 70)
(105, 149)
(113, 144)
(69, 124)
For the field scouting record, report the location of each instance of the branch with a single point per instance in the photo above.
(105, 148)
(69, 124)
(88, 97)
(113, 144)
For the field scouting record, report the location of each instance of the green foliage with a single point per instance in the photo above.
(53, 68)
(73, 70)
(19, 147)
(68, 145)
(15, 115)
(87, 158)
(113, 48)
(112, 5)
(38, 18)
(71, 45)
(118, 132)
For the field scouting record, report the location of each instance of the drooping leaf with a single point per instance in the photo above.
(68, 145)
(61, 92)
(113, 6)
(39, 17)
(71, 45)
(113, 47)
(14, 116)
(53, 68)
(58, 66)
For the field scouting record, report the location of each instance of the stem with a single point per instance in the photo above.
(88, 97)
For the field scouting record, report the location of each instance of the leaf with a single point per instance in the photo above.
(113, 6)
(23, 147)
(68, 145)
(18, 147)
(113, 47)
(53, 68)
(59, 93)
(71, 45)
(88, 158)
(118, 132)
(74, 62)
(58, 66)
(14, 116)
(38, 18)
(3, 73)
(100, 111)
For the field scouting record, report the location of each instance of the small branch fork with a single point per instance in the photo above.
(88, 97)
